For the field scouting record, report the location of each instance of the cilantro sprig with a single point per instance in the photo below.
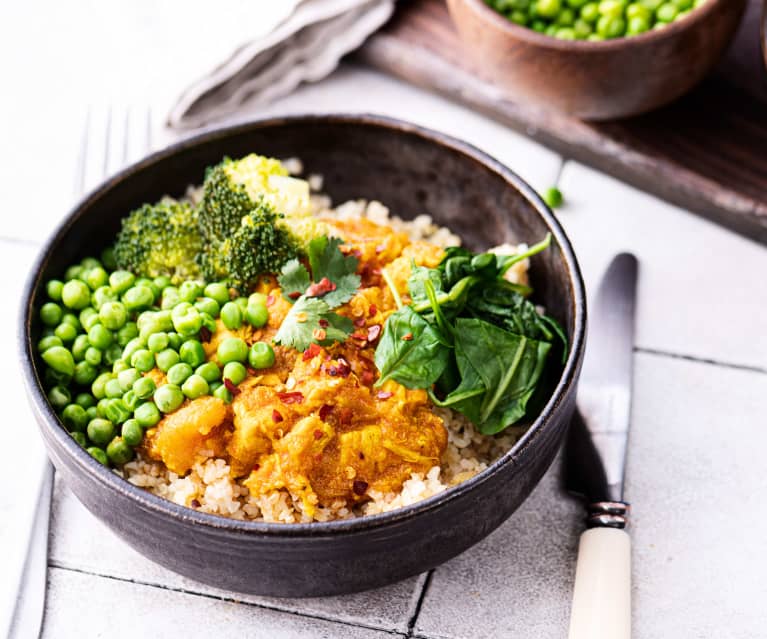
(332, 282)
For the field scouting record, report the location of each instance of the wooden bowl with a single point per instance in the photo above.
(414, 171)
(597, 80)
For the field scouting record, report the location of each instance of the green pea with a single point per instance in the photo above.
(582, 29)
(93, 355)
(121, 281)
(54, 288)
(71, 318)
(157, 342)
(147, 415)
(566, 18)
(86, 400)
(189, 291)
(100, 431)
(52, 377)
(167, 359)
(242, 302)
(89, 263)
(127, 378)
(119, 452)
(75, 294)
(186, 319)
(59, 397)
(79, 347)
(547, 8)
(261, 355)
(74, 418)
(143, 360)
(112, 354)
(232, 349)
(218, 291)
(235, 372)
(50, 314)
(101, 296)
(223, 394)
(138, 297)
(98, 388)
(99, 336)
(208, 322)
(132, 401)
(209, 372)
(101, 407)
(116, 411)
(127, 333)
(112, 388)
(113, 315)
(119, 366)
(99, 455)
(89, 317)
(73, 272)
(136, 344)
(637, 25)
(145, 281)
(170, 297)
(667, 12)
(108, 258)
(231, 315)
(161, 281)
(60, 360)
(178, 373)
(169, 397)
(208, 305)
(96, 277)
(65, 332)
(47, 342)
(553, 197)
(611, 27)
(195, 386)
(80, 438)
(144, 387)
(132, 432)
(256, 314)
(85, 373)
(174, 340)
(192, 353)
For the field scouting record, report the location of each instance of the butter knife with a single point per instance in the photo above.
(595, 458)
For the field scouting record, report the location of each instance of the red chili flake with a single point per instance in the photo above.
(205, 334)
(380, 248)
(407, 337)
(320, 288)
(195, 503)
(277, 416)
(256, 467)
(325, 411)
(323, 322)
(372, 310)
(367, 377)
(384, 394)
(317, 434)
(359, 322)
(344, 368)
(359, 487)
(311, 352)
(251, 371)
(345, 416)
(373, 332)
(230, 386)
(294, 295)
(291, 398)
(269, 300)
(359, 335)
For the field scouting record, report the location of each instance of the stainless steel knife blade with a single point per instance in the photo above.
(595, 455)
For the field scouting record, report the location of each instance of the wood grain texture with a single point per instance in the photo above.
(705, 152)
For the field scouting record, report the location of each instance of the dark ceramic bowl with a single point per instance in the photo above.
(412, 170)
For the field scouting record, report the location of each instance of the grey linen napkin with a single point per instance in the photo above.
(304, 47)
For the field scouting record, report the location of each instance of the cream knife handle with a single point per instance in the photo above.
(602, 596)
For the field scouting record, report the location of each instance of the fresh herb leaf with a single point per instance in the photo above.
(327, 260)
(416, 283)
(346, 287)
(411, 351)
(311, 320)
(294, 279)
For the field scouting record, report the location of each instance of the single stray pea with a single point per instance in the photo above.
(553, 197)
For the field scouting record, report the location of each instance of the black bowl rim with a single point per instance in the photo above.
(695, 16)
(165, 508)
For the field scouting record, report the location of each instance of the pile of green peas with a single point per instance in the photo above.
(104, 329)
(593, 20)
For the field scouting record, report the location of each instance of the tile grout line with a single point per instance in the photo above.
(417, 610)
(700, 360)
(193, 593)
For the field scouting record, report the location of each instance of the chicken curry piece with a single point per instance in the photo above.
(314, 423)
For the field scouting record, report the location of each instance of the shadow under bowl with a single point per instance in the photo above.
(412, 170)
(603, 80)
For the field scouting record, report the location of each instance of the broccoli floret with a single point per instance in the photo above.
(234, 188)
(257, 246)
(160, 239)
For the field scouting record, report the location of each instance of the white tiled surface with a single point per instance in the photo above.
(695, 476)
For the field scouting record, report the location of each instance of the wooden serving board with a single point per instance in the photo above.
(707, 152)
